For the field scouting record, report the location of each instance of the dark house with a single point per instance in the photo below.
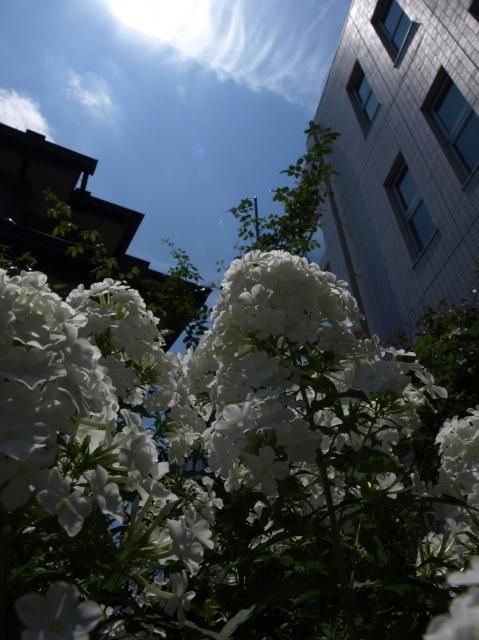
(30, 165)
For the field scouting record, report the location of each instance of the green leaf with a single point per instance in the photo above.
(474, 330)
(229, 628)
(309, 595)
(373, 461)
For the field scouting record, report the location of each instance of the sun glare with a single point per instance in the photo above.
(183, 24)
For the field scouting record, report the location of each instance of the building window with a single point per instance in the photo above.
(393, 26)
(455, 123)
(413, 215)
(474, 9)
(362, 96)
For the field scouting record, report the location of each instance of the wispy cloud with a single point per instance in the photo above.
(93, 93)
(21, 112)
(264, 45)
(280, 51)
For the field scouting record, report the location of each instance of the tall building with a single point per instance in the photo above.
(402, 223)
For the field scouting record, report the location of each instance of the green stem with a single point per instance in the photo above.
(335, 530)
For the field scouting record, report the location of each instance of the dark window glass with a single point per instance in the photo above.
(401, 31)
(406, 188)
(363, 94)
(395, 25)
(371, 107)
(364, 90)
(467, 142)
(451, 107)
(392, 18)
(458, 124)
(414, 209)
(422, 225)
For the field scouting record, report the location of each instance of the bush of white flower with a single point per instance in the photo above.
(266, 485)
(87, 506)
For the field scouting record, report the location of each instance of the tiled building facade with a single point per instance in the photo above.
(403, 221)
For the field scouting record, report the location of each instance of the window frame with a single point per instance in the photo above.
(356, 79)
(405, 213)
(448, 138)
(474, 9)
(378, 20)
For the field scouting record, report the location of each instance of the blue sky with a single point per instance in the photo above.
(189, 105)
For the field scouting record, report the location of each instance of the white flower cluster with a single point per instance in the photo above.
(66, 367)
(458, 441)
(278, 392)
(458, 480)
(277, 294)
(51, 381)
(462, 622)
(276, 314)
(57, 614)
(126, 332)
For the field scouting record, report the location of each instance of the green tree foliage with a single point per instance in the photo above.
(174, 299)
(447, 344)
(295, 228)
(13, 262)
(449, 347)
(84, 242)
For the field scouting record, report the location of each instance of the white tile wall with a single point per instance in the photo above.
(394, 289)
